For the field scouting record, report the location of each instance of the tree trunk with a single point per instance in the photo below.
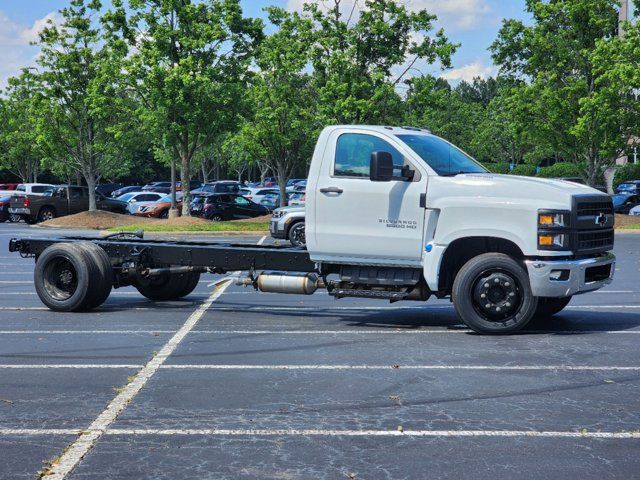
(282, 185)
(78, 179)
(185, 177)
(174, 203)
(91, 184)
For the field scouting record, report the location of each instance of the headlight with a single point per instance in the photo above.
(553, 219)
(552, 241)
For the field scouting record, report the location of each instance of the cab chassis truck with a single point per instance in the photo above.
(392, 213)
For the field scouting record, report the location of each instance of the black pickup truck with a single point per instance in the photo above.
(64, 200)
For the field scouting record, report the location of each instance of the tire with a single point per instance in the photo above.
(30, 221)
(164, 214)
(105, 282)
(46, 213)
(297, 235)
(503, 284)
(66, 277)
(216, 218)
(167, 287)
(548, 307)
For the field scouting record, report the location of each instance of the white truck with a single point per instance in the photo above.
(392, 213)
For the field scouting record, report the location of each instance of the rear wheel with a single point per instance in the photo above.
(67, 277)
(14, 218)
(548, 307)
(492, 295)
(104, 282)
(167, 287)
(216, 218)
(46, 213)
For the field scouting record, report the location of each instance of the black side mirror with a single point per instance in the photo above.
(381, 167)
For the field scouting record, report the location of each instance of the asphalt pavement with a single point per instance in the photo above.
(230, 383)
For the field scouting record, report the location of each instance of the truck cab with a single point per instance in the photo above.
(390, 203)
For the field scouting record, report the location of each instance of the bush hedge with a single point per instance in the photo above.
(524, 169)
(497, 167)
(561, 169)
(625, 173)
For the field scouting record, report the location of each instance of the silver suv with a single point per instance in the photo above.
(288, 223)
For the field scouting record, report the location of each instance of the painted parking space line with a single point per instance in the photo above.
(87, 439)
(621, 435)
(92, 332)
(28, 366)
(586, 368)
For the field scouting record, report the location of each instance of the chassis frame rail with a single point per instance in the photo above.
(218, 256)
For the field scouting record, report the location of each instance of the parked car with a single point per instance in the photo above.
(160, 208)
(123, 190)
(135, 198)
(257, 194)
(630, 187)
(5, 200)
(270, 182)
(222, 186)
(34, 188)
(193, 184)
(288, 223)
(107, 189)
(623, 203)
(245, 192)
(65, 200)
(225, 206)
(297, 198)
(8, 186)
(272, 200)
(162, 187)
(635, 210)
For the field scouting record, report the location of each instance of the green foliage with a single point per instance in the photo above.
(524, 170)
(497, 167)
(562, 169)
(355, 59)
(630, 171)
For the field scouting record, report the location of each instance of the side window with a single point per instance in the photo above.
(38, 188)
(240, 201)
(75, 193)
(353, 154)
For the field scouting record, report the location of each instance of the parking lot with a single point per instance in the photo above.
(234, 384)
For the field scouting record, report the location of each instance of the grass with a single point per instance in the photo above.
(200, 227)
(630, 226)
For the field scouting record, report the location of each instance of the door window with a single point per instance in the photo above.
(77, 192)
(353, 154)
(241, 201)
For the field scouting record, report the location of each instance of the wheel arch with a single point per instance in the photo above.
(295, 221)
(461, 250)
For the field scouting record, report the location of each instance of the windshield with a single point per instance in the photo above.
(619, 199)
(125, 197)
(441, 156)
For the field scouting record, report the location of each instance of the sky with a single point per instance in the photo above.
(472, 23)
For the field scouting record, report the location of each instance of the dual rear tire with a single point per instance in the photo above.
(73, 277)
(167, 287)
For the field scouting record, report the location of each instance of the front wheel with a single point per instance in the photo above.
(492, 295)
(548, 307)
(297, 235)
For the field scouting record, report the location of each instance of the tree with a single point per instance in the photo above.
(283, 125)
(84, 116)
(360, 60)
(189, 69)
(20, 153)
(556, 57)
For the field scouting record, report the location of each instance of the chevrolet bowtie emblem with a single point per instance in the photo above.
(601, 220)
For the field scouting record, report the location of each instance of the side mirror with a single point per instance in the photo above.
(381, 167)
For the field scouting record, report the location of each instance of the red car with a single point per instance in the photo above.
(8, 186)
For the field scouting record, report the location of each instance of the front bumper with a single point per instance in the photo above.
(573, 276)
(277, 229)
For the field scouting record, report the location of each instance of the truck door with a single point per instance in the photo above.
(356, 218)
(78, 200)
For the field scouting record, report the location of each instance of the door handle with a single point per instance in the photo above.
(331, 190)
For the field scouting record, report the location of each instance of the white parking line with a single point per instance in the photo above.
(379, 433)
(93, 332)
(78, 449)
(404, 367)
(65, 365)
(332, 433)
(261, 241)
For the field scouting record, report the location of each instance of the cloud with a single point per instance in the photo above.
(469, 72)
(15, 39)
(453, 15)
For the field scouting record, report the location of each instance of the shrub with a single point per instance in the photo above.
(625, 173)
(561, 169)
(497, 167)
(524, 169)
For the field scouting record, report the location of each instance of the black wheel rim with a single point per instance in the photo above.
(298, 235)
(60, 278)
(496, 295)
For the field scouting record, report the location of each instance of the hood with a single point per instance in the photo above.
(546, 193)
(292, 208)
